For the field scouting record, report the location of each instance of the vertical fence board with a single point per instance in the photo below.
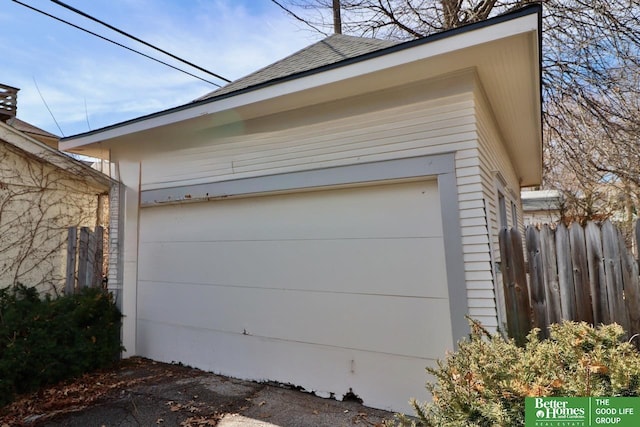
(508, 280)
(584, 312)
(552, 290)
(521, 288)
(91, 257)
(565, 273)
(84, 254)
(512, 266)
(631, 290)
(637, 235)
(629, 270)
(72, 247)
(96, 280)
(83, 257)
(627, 277)
(597, 285)
(536, 281)
(613, 274)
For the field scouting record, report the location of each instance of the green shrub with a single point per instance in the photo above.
(485, 382)
(45, 340)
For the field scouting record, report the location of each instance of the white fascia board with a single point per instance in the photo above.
(420, 52)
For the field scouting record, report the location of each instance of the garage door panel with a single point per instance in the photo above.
(316, 368)
(376, 266)
(326, 289)
(359, 212)
(342, 320)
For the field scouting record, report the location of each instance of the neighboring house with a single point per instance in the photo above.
(34, 132)
(42, 193)
(329, 220)
(541, 206)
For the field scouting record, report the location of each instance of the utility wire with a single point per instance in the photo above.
(86, 113)
(114, 42)
(117, 30)
(47, 105)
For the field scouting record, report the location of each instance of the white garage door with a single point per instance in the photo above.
(332, 290)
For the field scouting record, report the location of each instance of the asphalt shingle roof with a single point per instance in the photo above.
(333, 49)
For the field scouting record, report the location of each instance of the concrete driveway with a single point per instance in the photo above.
(147, 393)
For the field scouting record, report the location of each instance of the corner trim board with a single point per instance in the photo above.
(454, 255)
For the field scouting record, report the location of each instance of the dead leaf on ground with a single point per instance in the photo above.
(198, 422)
(73, 395)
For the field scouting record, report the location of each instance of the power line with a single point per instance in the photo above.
(47, 105)
(114, 42)
(111, 27)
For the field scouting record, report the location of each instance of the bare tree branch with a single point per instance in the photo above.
(291, 13)
(591, 88)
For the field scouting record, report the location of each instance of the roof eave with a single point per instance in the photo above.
(200, 107)
(33, 147)
(373, 70)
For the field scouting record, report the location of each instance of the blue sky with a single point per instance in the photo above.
(89, 83)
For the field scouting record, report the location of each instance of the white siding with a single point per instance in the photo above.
(352, 131)
(475, 239)
(495, 166)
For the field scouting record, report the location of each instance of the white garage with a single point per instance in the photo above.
(329, 220)
(332, 284)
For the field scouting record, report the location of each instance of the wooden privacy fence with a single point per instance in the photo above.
(84, 259)
(575, 273)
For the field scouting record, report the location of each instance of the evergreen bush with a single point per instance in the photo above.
(44, 340)
(485, 382)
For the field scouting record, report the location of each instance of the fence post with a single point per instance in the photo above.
(584, 312)
(72, 246)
